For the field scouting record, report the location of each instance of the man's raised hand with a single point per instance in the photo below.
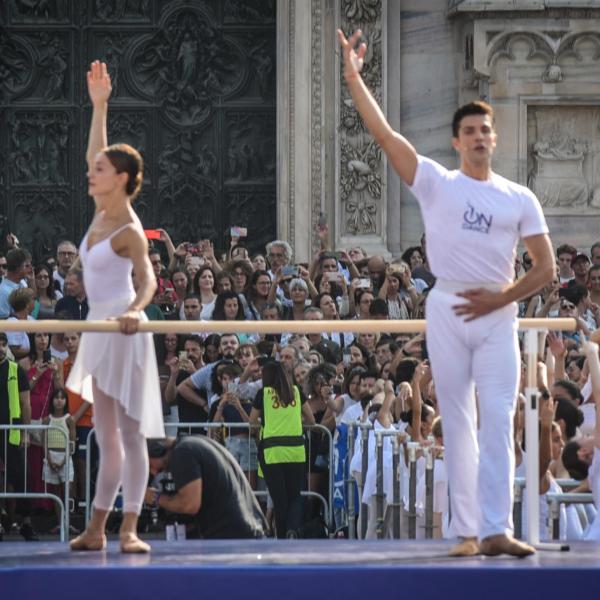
(353, 59)
(98, 80)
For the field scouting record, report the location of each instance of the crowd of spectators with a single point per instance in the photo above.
(342, 377)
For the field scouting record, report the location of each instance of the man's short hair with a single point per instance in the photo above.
(16, 258)
(581, 258)
(77, 272)
(196, 339)
(378, 308)
(472, 108)
(567, 249)
(193, 297)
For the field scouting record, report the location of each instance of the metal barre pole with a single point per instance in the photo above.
(429, 466)
(379, 483)
(364, 508)
(350, 484)
(412, 490)
(397, 496)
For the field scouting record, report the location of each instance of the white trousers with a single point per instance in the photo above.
(480, 462)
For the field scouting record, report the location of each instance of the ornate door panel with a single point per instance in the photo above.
(193, 90)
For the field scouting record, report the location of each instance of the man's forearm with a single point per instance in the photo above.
(192, 396)
(537, 277)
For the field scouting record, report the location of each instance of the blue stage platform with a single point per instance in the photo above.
(303, 570)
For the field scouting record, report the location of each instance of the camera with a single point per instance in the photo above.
(167, 485)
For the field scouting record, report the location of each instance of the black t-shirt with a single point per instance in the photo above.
(23, 383)
(229, 508)
(188, 412)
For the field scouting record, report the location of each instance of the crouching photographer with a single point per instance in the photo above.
(208, 484)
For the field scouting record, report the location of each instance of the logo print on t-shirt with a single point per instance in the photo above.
(476, 221)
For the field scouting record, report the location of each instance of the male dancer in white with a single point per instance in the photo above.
(473, 220)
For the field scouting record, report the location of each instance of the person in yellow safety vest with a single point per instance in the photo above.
(280, 408)
(15, 409)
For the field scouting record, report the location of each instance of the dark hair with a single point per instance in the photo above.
(360, 292)
(353, 372)
(31, 336)
(126, 159)
(196, 282)
(224, 367)
(161, 351)
(196, 339)
(220, 276)
(251, 291)
(275, 376)
(409, 252)
(406, 369)
(335, 290)
(324, 371)
(214, 339)
(3, 337)
(570, 415)
(379, 308)
(219, 310)
(571, 388)
(16, 258)
(193, 297)
(407, 415)
(575, 466)
(472, 108)
(317, 302)
(58, 391)
(370, 364)
(50, 291)
(567, 249)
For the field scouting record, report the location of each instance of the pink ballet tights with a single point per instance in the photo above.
(123, 455)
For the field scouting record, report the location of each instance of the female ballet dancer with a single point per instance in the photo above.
(116, 372)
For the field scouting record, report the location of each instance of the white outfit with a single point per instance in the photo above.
(472, 230)
(118, 373)
(56, 450)
(19, 338)
(593, 532)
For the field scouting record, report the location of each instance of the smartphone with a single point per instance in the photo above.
(152, 234)
(183, 355)
(47, 356)
(332, 275)
(322, 222)
(289, 271)
(364, 283)
(238, 232)
(424, 353)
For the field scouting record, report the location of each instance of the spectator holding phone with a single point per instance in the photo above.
(45, 375)
(181, 366)
(396, 277)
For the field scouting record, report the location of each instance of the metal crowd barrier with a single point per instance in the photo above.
(554, 501)
(62, 504)
(327, 503)
(395, 505)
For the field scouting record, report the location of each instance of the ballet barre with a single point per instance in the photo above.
(531, 326)
(259, 327)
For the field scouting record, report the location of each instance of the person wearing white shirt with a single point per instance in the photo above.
(473, 219)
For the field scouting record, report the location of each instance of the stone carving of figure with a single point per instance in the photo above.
(55, 68)
(187, 59)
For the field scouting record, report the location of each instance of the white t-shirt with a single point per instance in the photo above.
(472, 226)
(593, 533)
(19, 338)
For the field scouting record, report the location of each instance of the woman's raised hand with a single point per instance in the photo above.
(353, 59)
(98, 80)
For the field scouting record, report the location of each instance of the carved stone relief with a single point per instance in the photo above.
(193, 90)
(361, 165)
(556, 51)
(564, 157)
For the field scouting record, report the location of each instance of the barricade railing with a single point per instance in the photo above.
(210, 427)
(395, 504)
(64, 502)
(554, 500)
(532, 327)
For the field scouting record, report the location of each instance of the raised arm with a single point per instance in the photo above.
(99, 89)
(400, 152)
(591, 351)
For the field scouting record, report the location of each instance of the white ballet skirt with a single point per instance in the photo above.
(124, 366)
